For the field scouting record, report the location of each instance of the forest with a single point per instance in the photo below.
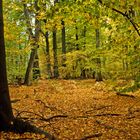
(70, 69)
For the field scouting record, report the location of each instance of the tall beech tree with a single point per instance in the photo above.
(6, 114)
(55, 67)
(63, 43)
(36, 70)
(97, 32)
(48, 54)
(34, 38)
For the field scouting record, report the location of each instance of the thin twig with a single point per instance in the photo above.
(92, 136)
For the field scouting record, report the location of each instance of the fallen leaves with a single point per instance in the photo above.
(76, 109)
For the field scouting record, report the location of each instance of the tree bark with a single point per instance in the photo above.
(27, 80)
(33, 63)
(84, 35)
(36, 70)
(48, 55)
(55, 67)
(6, 114)
(98, 75)
(77, 38)
(63, 44)
(98, 61)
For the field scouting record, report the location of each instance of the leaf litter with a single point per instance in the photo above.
(76, 110)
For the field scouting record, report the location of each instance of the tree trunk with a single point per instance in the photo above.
(63, 44)
(6, 114)
(76, 37)
(55, 68)
(84, 35)
(98, 75)
(48, 55)
(98, 61)
(27, 80)
(36, 70)
(83, 71)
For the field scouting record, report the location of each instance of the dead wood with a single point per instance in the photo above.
(92, 136)
(125, 95)
(109, 126)
(41, 117)
(131, 117)
(56, 116)
(131, 107)
(98, 108)
(108, 114)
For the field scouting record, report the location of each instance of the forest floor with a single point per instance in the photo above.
(76, 110)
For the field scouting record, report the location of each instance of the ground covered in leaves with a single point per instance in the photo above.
(76, 110)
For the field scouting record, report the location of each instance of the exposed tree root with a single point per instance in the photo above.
(56, 116)
(109, 126)
(108, 114)
(131, 107)
(41, 117)
(20, 126)
(124, 94)
(98, 108)
(92, 136)
(14, 101)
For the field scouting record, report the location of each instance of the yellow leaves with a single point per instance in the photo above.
(41, 15)
(55, 22)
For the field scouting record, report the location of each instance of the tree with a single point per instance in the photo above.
(34, 38)
(63, 44)
(6, 114)
(48, 54)
(55, 67)
(97, 31)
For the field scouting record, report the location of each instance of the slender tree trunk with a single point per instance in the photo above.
(63, 44)
(48, 55)
(84, 35)
(83, 71)
(36, 69)
(27, 80)
(6, 114)
(34, 55)
(98, 71)
(98, 74)
(76, 37)
(55, 67)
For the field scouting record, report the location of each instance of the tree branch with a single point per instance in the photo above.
(125, 15)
